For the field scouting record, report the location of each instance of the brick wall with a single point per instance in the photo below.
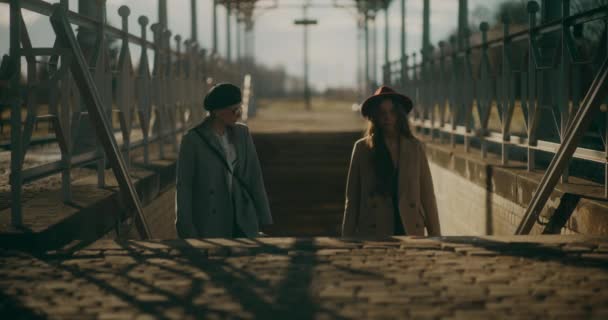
(479, 196)
(466, 208)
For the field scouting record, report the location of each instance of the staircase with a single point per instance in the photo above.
(305, 178)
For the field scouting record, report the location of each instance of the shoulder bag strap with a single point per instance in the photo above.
(223, 161)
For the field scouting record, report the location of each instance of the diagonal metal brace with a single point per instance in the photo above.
(579, 125)
(92, 99)
(564, 210)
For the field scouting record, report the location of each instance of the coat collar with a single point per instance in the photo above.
(407, 162)
(207, 131)
(239, 143)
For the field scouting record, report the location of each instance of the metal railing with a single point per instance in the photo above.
(161, 99)
(519, 90)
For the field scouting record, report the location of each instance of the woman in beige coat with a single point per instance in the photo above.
(389, 189)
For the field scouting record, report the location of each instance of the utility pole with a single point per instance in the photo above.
(214, 26)
(162, 13)
(386, 71)
(386, 34)
(402, 57)
(305, 22)
(426, 28)
(228, 31)
(193, 22)
(403, 28)
(366, 34)
(360, 66)
(239, 39)
(463, 23)
(374, 51)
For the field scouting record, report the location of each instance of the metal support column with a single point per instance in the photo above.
(387, 67)
(228, 33)
(162, 13)
(214, 19)
(426, 28)
(193, 21)
(367, 55)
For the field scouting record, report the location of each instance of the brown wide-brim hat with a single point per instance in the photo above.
(382, 93)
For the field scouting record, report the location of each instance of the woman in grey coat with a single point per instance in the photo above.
(220, 190)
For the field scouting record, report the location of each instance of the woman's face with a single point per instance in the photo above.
(230, 115)
(387, 115)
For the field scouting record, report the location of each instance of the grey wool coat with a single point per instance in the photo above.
(204, 206)
(368, 214)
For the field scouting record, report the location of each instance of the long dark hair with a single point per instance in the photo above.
(381, 157)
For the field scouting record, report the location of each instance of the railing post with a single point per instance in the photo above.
(456, 94)
(428, 91)
(170, 99)
(125, 86)
(386, 73)
(532, 99)
(443, 88)
(416, 90)
(366, 34)
(177, 94)
(188, 74)
(103, 79)
(143, 90)
(468, 87)
(507, 98)
(228, 6)
(67, 118)
(16, 180)
(403, 76)
(203, 56)
(483, 96)
(564, 80)
(157, 85)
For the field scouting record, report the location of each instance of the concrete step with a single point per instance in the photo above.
(305, 177)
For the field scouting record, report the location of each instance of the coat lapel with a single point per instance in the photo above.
(239, 141)
(405, 164)
(212, 138)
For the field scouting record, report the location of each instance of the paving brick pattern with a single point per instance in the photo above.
(551, 277)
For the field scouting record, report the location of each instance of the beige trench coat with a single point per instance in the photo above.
(370, 215)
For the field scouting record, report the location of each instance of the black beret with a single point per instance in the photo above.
(222, 95)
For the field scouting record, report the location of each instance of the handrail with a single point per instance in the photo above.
(600, 13)
(170, 87)
(457, 90)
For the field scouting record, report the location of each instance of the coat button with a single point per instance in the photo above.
(213, 211)
(412, 205)
(211, 191)
(373, 226)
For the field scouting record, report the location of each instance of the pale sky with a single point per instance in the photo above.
(333, 42)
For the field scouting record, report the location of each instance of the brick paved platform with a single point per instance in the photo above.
(550, 277)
